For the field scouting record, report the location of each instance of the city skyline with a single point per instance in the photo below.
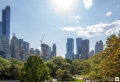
(32, 19)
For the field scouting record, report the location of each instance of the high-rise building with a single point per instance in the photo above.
(98, 46)
(25, 46)
(49, 51)
(21, 43)
(91, 53)
(6, 21)
(37, 51)
(78, 47)
(0, 27)
(70, 48)
(54, 50)
(84, 49)
(4, 47)
(32, 51)
(14, 46)
(44, 51)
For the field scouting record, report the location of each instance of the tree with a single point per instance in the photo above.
(15, 69)
(59, 73)
(34, 70)
(111, 65)
(4, 67)
(51, 66)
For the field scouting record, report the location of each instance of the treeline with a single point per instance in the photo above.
(103, 65)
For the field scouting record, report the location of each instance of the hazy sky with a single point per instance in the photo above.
(61, 19)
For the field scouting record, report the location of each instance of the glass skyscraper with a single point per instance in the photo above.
(70, 48)
(98, 46)
(84, 49)
(78, 47)
(54, 49)
(0, 28)
(6, 21)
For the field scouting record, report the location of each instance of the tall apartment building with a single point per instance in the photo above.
(78, 47)
(91, 53)
(84, 49)
(70, 48)
(54, 50)
(6, 21)
(98, 46)
(4, 47)
(0, 27)
(14, 46)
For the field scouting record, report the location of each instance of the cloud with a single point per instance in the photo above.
(109, 13)
(76, 17)
(39, 47)
(100, 29)
(118, 6)
(88, 3)
(77, 21)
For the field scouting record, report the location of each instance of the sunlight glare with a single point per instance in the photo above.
(63, 6)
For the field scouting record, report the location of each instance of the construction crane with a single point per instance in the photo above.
(42, 39)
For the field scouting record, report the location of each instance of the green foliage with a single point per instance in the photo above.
(63, 74)
(34, 70)
(16, 67)
(51, 66)
(4, 67)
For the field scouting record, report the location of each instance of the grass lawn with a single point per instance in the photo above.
(74, 80)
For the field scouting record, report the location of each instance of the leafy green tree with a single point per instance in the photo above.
(66, 75)
(111, 65)
(4, 67)
(52, 67)
(34, 70)
(59, 73)
(15, 69)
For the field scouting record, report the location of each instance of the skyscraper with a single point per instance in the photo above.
(54, 49)
(14, 46)
(44, 51)
(6, 21)
(78, 47)
(91, 53)
(70, 48)
(98, 46)
(21, 43)
(4, 47)
(84, 49)
(0, 27)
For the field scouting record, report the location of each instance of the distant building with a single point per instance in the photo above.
(78, 47)
(21, 43)
(32, 51)
(98, 46)
(70, 48)
(0, 28)
(49, 51)
(14, 46)
(54, 50)
(44, 51)
(6, 21)
(84, 49)
(25, 46)
(91, 53)
(4, 47)
(37, 51)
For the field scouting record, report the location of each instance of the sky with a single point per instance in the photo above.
(61, 19)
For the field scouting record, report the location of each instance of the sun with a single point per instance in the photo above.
(63, 6)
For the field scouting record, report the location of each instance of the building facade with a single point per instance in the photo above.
(91, 53)
(78, 47)
(98, 46)
(84, 49)
(0, 27)
(6, 21)
(4, 47)
(44, 51)
(70, 49)
(14, 46)
(54, 50)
